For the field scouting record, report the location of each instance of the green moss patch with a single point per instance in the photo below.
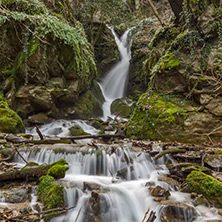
(57, 171)
(87, 105)
(207, 185)
(50, 193)
(10, 122)
(76, 131)
(155, 118)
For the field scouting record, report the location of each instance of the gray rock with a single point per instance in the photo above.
(18, 196)
(177, 212)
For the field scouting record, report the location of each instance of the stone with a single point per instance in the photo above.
(40, 118)
(159, 191)
(77, 131)
(123, 106)
(215, 106)
(123, 173)
(18, 196)
(169, 181)
(214, 162)
(91, 186)
(10, 122)
(205, 99)
(176, 212)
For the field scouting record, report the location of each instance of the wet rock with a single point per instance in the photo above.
(159, 191)
(177, 212)
(99, 124)
(91, 186)
(18, 196)
(201, 200)
(123, 172)
(77, 131)
(93, 213)
(169, 181)
(40, 118)
(123, 106)
(214, 162)
(176, 169)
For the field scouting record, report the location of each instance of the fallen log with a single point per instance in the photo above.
(175, 150)
(104, 136)
(28, 173)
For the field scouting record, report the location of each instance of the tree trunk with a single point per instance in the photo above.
(177, 8)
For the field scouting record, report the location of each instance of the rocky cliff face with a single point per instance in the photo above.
(184, 62)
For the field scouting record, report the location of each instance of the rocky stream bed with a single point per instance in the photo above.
(115, 180)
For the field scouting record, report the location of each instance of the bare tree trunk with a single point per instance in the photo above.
(177, 8)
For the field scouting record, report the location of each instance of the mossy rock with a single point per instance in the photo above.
(57, 171)
(122, 106)
(156, 118)
(99, 124)
(87, 106)
(10, 122)
(50, 193)
(76, 131)
(207, 185)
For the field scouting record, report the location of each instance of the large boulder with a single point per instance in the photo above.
(10, 122)
(123, 106)
(210, 187)
(172, 119)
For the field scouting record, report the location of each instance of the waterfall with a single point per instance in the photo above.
(114, 83)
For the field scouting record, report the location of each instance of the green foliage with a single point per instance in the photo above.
(207, 185)
(50, 193)
(37, 19)
(169, 61)
(10, 122)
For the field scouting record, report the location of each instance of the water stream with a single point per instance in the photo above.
(112, 185)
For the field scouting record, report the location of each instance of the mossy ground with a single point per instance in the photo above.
(10, 122)
(207, 185)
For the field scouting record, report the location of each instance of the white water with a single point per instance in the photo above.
(113, 85)
(121, 200)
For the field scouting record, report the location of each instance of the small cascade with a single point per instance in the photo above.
(113, 185)
(113, 85)
(61, 128)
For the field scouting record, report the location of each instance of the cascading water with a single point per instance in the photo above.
(111, 185)
(113, 85)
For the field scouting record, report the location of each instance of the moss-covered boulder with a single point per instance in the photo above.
(50, 193)
(123, 106)
(10, 122)
(207, 185)
(77, 131)
(57, 171)
(156, 118)
(87, 106)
